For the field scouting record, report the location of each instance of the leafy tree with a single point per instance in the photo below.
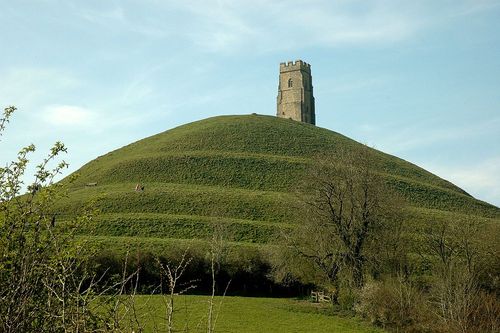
(41, 272)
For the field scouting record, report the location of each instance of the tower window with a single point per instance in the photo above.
(290, 83)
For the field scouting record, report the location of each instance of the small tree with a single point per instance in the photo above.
(172, 273)
(44, 283)
(459, 250)
(32, 256)
(218, 252)
(344, 205)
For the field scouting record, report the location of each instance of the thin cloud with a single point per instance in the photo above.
(405, 138)
(68, 115)
(262, 26)
(288, 24)
(112, 14)
(480, 179)
(469, 7)
(342, 86)
(27, 86)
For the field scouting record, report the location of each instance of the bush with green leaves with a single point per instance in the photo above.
(44, 286)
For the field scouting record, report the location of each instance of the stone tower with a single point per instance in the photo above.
(295, 92)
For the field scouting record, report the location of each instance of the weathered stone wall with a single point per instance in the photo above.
(295, 92)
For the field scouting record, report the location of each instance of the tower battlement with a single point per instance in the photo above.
(295, 65)
(295, 92)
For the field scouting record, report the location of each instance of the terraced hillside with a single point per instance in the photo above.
(241, 170)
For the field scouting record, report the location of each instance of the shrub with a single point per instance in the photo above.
(394, 304)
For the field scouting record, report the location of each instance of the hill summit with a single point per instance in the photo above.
(242, 170)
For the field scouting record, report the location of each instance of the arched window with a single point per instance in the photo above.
(290, 83)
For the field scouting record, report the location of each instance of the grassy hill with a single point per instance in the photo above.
(241, 170)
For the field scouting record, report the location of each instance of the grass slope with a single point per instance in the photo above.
(241, 170)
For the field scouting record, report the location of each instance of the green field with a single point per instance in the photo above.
(240, 170)
(248, 314)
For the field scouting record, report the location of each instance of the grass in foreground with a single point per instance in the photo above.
(246, 314)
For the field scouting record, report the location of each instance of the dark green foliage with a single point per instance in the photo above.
(245, 265)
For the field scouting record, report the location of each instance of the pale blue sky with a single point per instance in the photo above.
(416, 79)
